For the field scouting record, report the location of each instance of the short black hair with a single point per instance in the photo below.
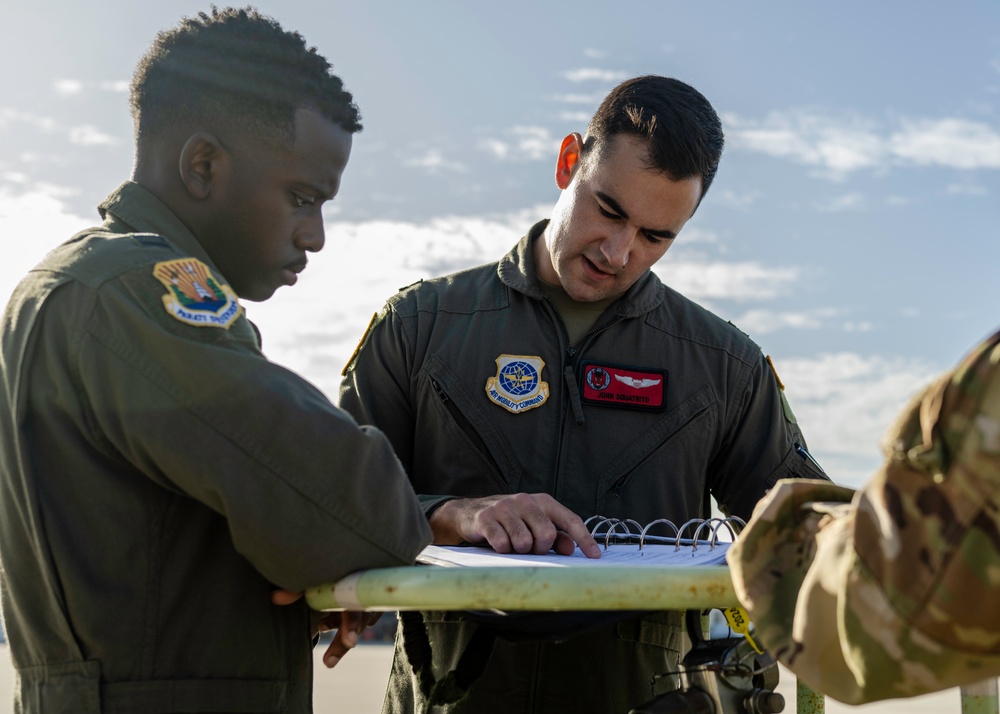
(238, 69)
(682, 130)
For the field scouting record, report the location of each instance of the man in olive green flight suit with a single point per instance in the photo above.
(566, 381)
(165, 490)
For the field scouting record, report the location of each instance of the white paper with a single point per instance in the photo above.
(613, 555)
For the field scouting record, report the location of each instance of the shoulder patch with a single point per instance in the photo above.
(195, 296)
(518, 385)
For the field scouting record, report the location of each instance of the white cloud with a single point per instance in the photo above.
(762, 322)
(32, 222)
(591, 99)
(84, 135)
(846, 402)
(523, 143)
(708, 280)
(966, 189)
(595, 53)
(957, 143)
(590, 74)
(691, 235)
(90, 136)
(67, 87)
(581, 118)
(840, 145)
(44, 124)
(733, 199)
(434, 162)
(847, 202)
(73, 87)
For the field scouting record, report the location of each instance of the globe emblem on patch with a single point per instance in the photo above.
(518, 378)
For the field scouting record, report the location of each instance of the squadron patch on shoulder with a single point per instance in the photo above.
(615, 385)
(195, 296)
(518, 385)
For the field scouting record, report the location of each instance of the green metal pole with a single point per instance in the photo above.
(528, 588)
(980, 698)
(807, 700)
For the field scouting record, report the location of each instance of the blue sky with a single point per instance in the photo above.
(851, 230)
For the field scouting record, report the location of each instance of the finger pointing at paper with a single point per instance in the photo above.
(513, 523)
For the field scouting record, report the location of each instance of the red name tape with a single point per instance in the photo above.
(619, 386)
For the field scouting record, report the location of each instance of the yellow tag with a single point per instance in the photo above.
(376, 318)
(770, 363)
(739, 621)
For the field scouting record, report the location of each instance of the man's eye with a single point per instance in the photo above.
(301, 201)
(606, 213)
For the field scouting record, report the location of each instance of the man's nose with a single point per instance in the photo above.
(312, 236)
(618, 245)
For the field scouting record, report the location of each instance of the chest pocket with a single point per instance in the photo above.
(648, 453)
(468, 439)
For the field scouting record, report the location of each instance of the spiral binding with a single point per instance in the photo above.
(626, 530)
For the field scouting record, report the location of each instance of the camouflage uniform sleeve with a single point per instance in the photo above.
(890, 591)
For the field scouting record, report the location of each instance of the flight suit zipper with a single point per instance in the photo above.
(569, 378)
(470, 431)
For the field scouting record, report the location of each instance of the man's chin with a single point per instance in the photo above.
(588, 294)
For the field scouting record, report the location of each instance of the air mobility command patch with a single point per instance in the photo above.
(195, 296)
(614, 385)
(518, 385)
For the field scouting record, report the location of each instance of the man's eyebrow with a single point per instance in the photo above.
(616, 207)
(318, 190)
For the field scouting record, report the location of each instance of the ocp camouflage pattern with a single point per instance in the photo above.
(892, 590)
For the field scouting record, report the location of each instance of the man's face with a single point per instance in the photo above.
(613, 220)
(267, 213)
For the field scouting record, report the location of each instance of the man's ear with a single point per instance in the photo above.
(569, 159)
(204, 162)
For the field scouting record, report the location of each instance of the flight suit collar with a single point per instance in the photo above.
(143, 212)
(517, 270)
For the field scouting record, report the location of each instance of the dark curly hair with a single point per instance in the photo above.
(682, 130)
(237, 69)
